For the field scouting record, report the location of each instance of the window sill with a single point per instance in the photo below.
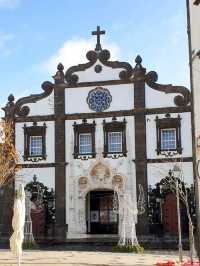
(35, 159)
(169, 153)
(84, 157)
(114, 155)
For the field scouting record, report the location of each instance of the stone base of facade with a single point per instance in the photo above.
(71, 236)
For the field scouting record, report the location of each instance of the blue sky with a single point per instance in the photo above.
(36, 34)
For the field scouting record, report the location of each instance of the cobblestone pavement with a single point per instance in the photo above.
(82, 258)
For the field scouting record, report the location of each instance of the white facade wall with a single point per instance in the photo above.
(107, 73)
(158, 99)
(42, 107)
(50, 140)
(186, 136)
(195, 41)
(125, 167)
(122, 98)
(76, 102)
(44, 175)
(194, 11)
(157, 171)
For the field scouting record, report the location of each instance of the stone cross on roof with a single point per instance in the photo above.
(98, 33)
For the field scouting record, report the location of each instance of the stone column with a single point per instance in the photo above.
(60, 170)
(140, 141)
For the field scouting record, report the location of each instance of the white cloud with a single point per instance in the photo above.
(73, 52)
(9, 3)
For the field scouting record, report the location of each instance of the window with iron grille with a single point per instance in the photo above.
(84, 140)
(114, 141)
(168, 139)
(114, 138)
(35, 145)
(85, 143)
(34, 142)
(168, 132)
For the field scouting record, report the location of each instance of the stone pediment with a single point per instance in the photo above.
(98, 71)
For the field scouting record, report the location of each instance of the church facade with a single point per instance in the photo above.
(102, 136)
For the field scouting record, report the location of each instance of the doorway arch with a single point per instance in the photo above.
(100, 216)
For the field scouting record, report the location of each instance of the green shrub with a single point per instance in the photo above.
(29, 245)
(129, 248)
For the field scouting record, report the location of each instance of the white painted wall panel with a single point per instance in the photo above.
(122, 98)
(90, 75)
(78, 168)
(186, 136)
(44, 175)
(42, 107)
(50, 140)
(157, 171)
(195, 41)
(130, 137)
(157, 99)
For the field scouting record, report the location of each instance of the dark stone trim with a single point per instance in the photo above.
(179, 100)
(132, 112)
(196, 2)
(35, 118)
(165, 123)
(34, 131)
(162, 110)
(170, 160)
(140, 142)
(136, 111)
(114, 126)
(84, 128)
(96, 83)
(103, 56)
(60, 168)
(42, 165)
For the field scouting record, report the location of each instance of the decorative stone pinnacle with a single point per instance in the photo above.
(34, 178)
(9, 109)
(59, 76)
(60, 67)
(138, 60)
(11, 98)
(138, 67)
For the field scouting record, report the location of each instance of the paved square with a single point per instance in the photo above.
(82, 258)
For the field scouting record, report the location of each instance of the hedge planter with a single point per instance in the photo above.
(129, 249)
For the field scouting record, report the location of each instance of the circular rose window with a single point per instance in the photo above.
(99, 99)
